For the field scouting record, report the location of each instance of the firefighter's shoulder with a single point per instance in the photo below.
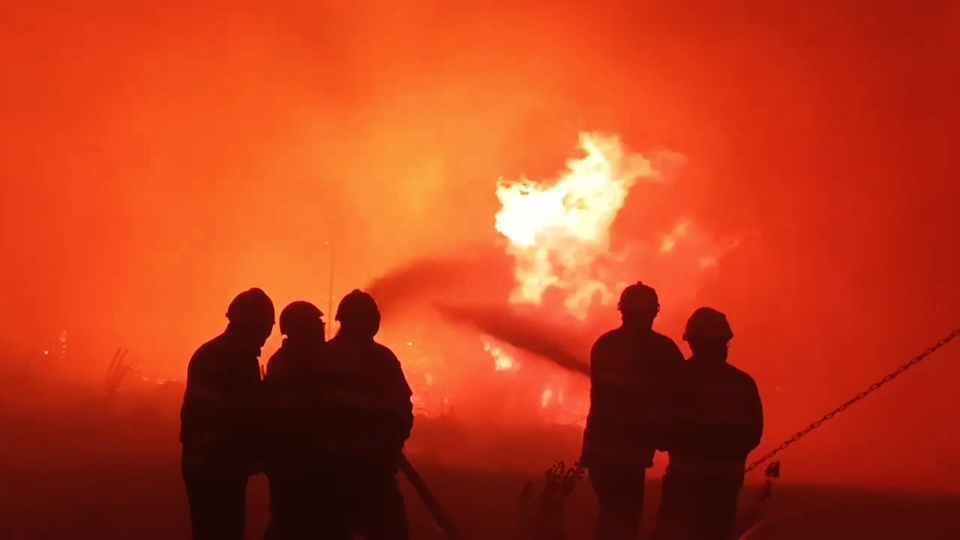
(665, 345)
(662, 339)
(609, 340)
(387, 360)
(206, 370)
(212, 346)
(383, 352)
(209, 353)
(741, 378)
(277, 365)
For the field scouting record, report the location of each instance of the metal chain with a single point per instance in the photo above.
(873, 387)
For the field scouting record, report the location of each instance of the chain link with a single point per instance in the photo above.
(873, 387)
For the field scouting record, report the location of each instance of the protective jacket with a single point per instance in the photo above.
(221, 416)
(363, 402)
(722, 421)
(634, 377)
(289, 385)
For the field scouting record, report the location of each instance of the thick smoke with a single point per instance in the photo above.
(472, 291)
(481, 272)
(524, 333)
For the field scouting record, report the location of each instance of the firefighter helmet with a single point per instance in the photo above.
(252, 306)
(708, 325)
(639, 298)
(301, 318)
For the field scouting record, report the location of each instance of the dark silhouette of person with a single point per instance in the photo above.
(721, 423)
(221, 419)
(634, 372)
(289, 458)
(366, 415)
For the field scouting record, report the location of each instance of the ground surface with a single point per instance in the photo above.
(135, 499)
(84, 467)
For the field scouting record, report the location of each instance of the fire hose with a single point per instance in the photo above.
(433, 505)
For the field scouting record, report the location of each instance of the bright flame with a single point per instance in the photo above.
(557, 232)
(670, 240)
(501, 360)
(546, 397)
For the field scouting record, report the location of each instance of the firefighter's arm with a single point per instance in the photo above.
(204, 402)
(597, 368)
(755, 416)
(676, 392)
(258, 420)
(400, 399)
(278, 370)
(677, 421)
(202, 382)
(597, 393)
(274, 381)
(200, 393)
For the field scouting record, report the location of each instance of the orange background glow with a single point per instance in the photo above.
(159, 157)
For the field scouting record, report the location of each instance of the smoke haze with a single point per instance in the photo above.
(157, 158)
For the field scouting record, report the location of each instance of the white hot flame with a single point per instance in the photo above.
(556, 232)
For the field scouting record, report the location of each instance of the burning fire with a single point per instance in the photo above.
(501, 360)
(559, 232)
(546, 397)
(556, 232)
